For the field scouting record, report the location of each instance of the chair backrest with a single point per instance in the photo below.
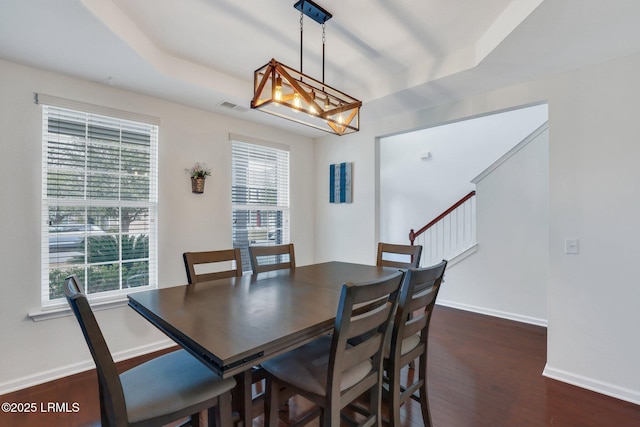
(418, 294)
(364, 313)
(263, 257)
(191, 259)
(408, 252)
(112, 402)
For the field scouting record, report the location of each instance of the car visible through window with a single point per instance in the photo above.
(71, 237)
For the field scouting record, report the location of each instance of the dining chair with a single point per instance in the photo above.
(163, 390)
(409, 339)
(402, 256)
(269, 258)
(192, 259)
(243, 395)
(409, 253)
(330, 372)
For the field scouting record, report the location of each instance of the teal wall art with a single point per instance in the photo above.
(340, 183)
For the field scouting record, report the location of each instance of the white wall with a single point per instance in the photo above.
(413, 191)
(593, 195)
(32, 352)
(512, 226)
(347, 231)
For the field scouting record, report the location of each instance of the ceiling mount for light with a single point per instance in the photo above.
(282, 91)
(313, 11)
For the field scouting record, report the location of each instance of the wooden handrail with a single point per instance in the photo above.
(413, 235)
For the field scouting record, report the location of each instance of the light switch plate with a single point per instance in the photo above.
(571, 246)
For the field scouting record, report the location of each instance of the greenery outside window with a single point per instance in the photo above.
(260, 195)
(99, 203)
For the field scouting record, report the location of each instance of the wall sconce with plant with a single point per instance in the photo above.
(199, 172)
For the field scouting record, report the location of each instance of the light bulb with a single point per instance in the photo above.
(296, 100)
(312, 107)
(278, 94)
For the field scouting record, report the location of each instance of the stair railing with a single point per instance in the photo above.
(448, 234)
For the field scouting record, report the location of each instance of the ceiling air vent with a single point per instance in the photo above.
(232, 106)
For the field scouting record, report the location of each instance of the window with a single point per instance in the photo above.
(99, 203)
(260, 196)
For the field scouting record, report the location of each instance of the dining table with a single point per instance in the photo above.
(235, 323)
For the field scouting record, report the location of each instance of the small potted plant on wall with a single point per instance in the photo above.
(199, 172)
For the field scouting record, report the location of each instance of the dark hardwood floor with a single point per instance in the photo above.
(483, 371)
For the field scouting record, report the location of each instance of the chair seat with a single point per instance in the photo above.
(408, 343)
(306, 368)
(168, 384)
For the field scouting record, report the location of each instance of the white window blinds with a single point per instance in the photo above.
(99, 203)
(260, 197)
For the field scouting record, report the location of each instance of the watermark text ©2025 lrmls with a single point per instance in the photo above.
(41, 407)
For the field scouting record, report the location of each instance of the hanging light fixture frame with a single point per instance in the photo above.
(285, 92)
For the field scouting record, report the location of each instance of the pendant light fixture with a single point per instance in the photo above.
(282, 91)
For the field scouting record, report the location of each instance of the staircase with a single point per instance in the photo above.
(450, 235)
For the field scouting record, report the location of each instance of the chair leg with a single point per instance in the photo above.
(375, 401)
(424, 393)
(103, 413)
(331, 416)
(224, 410)
(220, 415)
(394, 396)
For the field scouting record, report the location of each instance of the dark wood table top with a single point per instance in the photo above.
(235, 323)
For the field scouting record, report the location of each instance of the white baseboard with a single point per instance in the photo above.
(75, 368)
(597, 386)
(494, 313)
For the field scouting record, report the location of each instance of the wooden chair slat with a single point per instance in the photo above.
(258, 253)
(369, 321)
(192, 259)
(414, 253)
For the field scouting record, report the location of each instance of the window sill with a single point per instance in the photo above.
(63, 311)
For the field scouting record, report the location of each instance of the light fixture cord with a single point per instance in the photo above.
(323, 40)
(301, 16)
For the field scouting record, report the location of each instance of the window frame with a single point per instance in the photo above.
(277, 215)
(144, 199)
